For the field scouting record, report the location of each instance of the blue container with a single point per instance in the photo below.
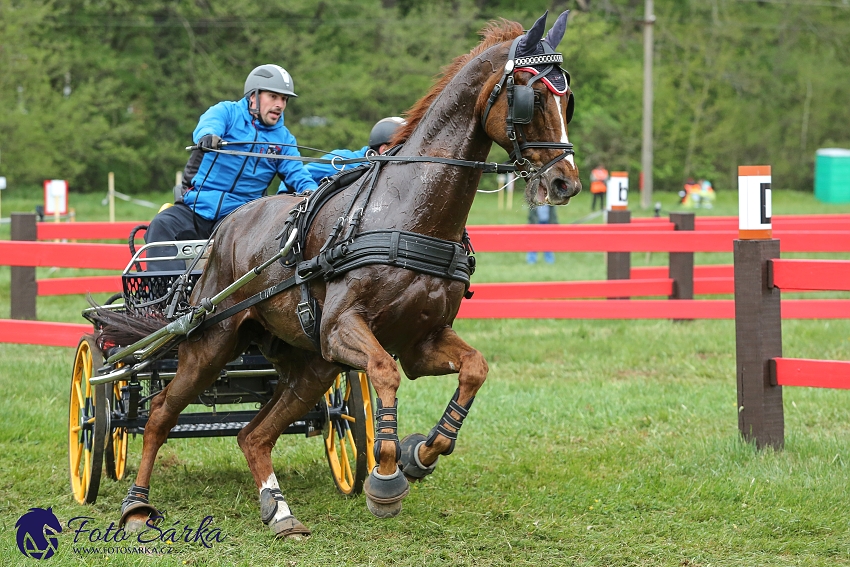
(832, 175)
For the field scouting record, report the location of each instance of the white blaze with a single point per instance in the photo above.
(564, 139)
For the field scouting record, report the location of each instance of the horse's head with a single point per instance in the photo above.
(525, 108)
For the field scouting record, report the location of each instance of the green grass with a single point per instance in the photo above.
(592, 443)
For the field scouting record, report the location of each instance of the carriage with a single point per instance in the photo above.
(104, 414)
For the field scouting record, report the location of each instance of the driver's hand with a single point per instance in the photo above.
(209, 142)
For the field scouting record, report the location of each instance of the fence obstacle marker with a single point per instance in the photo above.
(758, 320)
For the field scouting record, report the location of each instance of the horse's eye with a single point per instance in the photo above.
(538, 99)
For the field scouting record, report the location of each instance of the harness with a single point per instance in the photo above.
(349, 250)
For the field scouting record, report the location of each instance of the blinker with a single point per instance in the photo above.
(523, 107)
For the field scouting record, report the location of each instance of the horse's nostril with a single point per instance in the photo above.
(563, 186)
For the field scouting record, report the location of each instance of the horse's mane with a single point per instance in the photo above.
(493, 33)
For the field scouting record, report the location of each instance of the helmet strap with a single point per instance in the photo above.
(254, 110)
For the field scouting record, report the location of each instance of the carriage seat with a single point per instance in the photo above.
(144, 288)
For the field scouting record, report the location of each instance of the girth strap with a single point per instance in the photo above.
(424, 254)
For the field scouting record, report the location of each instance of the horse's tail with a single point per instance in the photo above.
(122, 328)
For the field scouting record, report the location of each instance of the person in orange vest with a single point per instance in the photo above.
(691, 190)
(598, 186)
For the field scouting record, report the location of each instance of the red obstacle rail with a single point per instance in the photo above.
(495, 240)
(573, 289)
(598, 309)
(64, 255)
(567, 228)
(641, 309)
(87, 230)
(810, 275)
(41, 333)
(811, 373)
(74, 286)
(702, 271)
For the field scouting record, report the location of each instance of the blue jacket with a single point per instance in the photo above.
(226, 182)
(321, 170)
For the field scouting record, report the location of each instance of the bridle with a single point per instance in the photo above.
(521, 107)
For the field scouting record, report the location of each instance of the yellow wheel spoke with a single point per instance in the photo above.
(75, 464)
(348, 418)
(80, 398)
(346, 464)
(87, 468)
(75, 429)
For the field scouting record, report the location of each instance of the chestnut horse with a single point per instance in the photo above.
(373, 313)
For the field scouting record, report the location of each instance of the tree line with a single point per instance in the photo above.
(92, 86)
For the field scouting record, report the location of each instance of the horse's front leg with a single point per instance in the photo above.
(441, 352)
(304, 376)
(350, 341)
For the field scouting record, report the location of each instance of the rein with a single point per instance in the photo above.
(484, 166)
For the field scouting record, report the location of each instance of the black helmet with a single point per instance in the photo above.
(383, 131)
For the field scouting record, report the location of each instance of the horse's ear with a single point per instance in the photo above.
(529, 41)
(556, 34)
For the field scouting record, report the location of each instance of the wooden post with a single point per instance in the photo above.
(619, 263)
(758, 339)
(23, 288)
(758, 318)
(111, 196)
(681, 269)
(511, 180)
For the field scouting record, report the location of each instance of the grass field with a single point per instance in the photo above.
(592, 443)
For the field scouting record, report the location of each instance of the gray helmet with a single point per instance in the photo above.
(383, 131)
(269, 78)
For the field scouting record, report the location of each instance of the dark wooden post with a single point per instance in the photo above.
(758, 339)
(619, 263)
(23, 287)
(681, 269)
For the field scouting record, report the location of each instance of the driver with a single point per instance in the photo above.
(214, 184)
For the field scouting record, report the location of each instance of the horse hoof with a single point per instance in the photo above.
(136, 516)
(384, 493)
(290, 528)
(139, 520)
(383, 510)
(411, 466)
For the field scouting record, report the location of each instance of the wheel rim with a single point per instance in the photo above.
(117, 443)
(85, 426)
(346, 432)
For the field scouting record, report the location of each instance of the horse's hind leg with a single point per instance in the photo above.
(199, 365)
(304, 378)
(351, 341)
(442, 352)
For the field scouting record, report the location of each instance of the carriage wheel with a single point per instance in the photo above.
(87, 424)
(118, 438)
(349, 432)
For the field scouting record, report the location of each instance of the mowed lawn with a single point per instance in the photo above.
(592, 443)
